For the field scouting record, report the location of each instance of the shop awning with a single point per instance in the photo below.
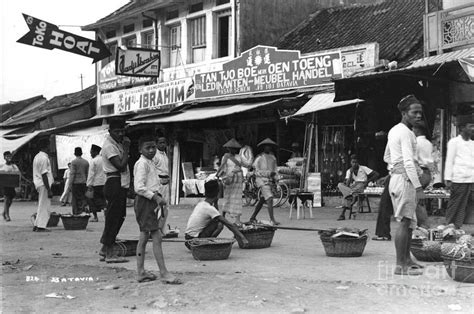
(204, 113)
(322, 102)
(15, 144)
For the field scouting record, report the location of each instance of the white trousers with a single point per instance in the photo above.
(44, 204)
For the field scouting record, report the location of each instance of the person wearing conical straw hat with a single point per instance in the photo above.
(230, 171)
(265, 171)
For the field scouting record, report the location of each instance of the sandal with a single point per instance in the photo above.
(174, 281)
(146, 277)
(377, 238)
(115, 259)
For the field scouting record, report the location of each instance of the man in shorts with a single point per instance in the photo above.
(405, 187)
(206, 221)
(265, 166)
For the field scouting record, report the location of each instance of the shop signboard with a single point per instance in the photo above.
(137, 62)
(359, 57)
(109, 80)
(65, 146)
(152, 97)
(48, 36)
(264, 69)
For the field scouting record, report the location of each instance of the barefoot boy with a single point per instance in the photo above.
(206, 221)
(150, 217)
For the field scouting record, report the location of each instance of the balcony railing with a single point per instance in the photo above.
(448, 29)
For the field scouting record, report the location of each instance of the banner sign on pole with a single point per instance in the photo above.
(263, 69)
(137, 62)
(48, 36)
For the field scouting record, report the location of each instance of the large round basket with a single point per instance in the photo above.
(75, 222)
(207, 249)
(426, 253)
(461, 271)
(258, 238)
(125, 247)
(344, 247)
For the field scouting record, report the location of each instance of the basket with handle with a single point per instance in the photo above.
(344, 247)
(206, 249)
(75, 222)
(257, 238)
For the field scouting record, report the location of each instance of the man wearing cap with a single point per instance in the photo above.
(95, 183)
(115, 154)
(265, 171)
(79, 171)
(459, 172)
(405, 187)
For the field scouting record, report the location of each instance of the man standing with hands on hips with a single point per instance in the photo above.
(405, 187)
(115, 154)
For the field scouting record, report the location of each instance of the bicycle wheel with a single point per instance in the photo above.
(285, 193)
(249, 196)
(276, 196)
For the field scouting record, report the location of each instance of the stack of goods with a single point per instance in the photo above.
(291, 174)
(459, 259)
(206, 249)
(426, 243)
(259, 236)
(344, 242)
(203, 174)
(441, 193)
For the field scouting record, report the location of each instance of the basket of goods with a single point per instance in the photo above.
(423, 249)
(207, 249)
(458, 259)
(344, 242)
(75, 222)
(52, 222)
(125, 247)
(258, 236)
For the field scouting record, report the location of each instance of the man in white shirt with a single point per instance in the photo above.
(459, 172)
(206, 221)
(424, 157)
(95, 182)
(43, 179)
(357, 178)
(115, 154)
(405, 187)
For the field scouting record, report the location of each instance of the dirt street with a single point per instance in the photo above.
(293, 275)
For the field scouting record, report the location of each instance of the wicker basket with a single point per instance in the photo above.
(207, 249)
(72, 222)
(344, 247)
(462, 271)
(125, 247)
(424, 254)
(258, 238)
(52, 222)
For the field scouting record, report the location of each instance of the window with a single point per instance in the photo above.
(175, 46)
(148, 40)
(112, 48)
(198, 39)
(147, 23)
(110, 34)
(128, 28)
(130, 41)
(172, 15)
(221, 2)
(223, 36)
(195, 7)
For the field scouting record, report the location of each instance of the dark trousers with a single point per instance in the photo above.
(382, 228)
(460, 201)
(116, 197)
(79, 201)
(97, 203)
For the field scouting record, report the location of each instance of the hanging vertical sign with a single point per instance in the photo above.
(48, 36)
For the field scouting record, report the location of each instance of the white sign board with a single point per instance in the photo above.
(137, 62)
(65, 146)
(314, 186)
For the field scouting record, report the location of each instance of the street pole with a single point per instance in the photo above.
(82, 86)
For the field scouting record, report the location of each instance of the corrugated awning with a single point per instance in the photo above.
(322, 102)
(15, 144)
(203, 113)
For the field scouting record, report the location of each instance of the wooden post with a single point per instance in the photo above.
(316, 142)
